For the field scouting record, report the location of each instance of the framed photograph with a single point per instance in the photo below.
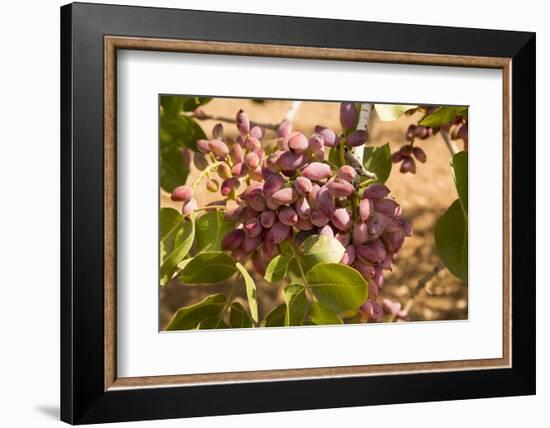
(265, 213)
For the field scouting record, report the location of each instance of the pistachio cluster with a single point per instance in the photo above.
(292, 193)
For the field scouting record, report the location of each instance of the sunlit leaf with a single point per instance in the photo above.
(443, 115)
(174, 170)
(460, 172)
(239, 317)
(275, 318)
(208, 268)
(181, 131)
(183, 241)
(172, 105)
(191, 103)
(451, 239)
(378, 161)
(320, 249)
(320, 315)
(337, 287)
(190, 317)
(296, 304)
(210, 230)
(391, 112)
(277, 268)
(212, 323)
(250, 292)
(170, 222)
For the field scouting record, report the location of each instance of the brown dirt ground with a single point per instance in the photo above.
(424, 198)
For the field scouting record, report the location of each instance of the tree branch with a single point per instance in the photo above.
(293, 109)
(452, 146)
(362, 125)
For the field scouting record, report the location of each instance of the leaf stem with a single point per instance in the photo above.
(342, 151)
(228, 304)
(302, 273)
(205, 173)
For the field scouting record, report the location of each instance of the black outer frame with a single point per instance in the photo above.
(83, 399)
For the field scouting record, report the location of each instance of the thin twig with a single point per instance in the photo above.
(452, 146)
(421, 285)
(294, 107)
(204, 116)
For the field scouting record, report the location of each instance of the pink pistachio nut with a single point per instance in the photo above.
(236, 153)
(284, 130)
(419, 154)
(341, 219)
(257, 132)
(348, 115)
(219, 148)
(203, 146)
(232, 240)
(189, 207)
(357, 138)
(329, 136)
(347, 173)
(272, 184)
(268, 218)
(217, 131)
(243, 124)
(288, 216)
(340, 188)
(376, 191)
(303, 185)
(408, 165)
(182, 194)
(302, 207)
(365, 209)
(318, 219)
(298, 142)
(349, 255)
(285, 196)
(360, 233)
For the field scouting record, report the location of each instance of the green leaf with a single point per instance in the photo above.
(171, 105)
(173, 168)
(250, 291)
(239, 317)
(378, 160)
(183, 241)
(181, 131)
(275, 318)
(337, 287)
(171, 221)
(451, 240)
(320, 315)
(212, 323)
(190, 317)
(211, 228)
(320, 249)
(208, 268)
(391, 112)
(191, 103)
(296, 304)
(293, 273)
(443, 115)
(277, 267)
(460, 172)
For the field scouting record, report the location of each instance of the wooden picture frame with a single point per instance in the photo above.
(91, 390)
